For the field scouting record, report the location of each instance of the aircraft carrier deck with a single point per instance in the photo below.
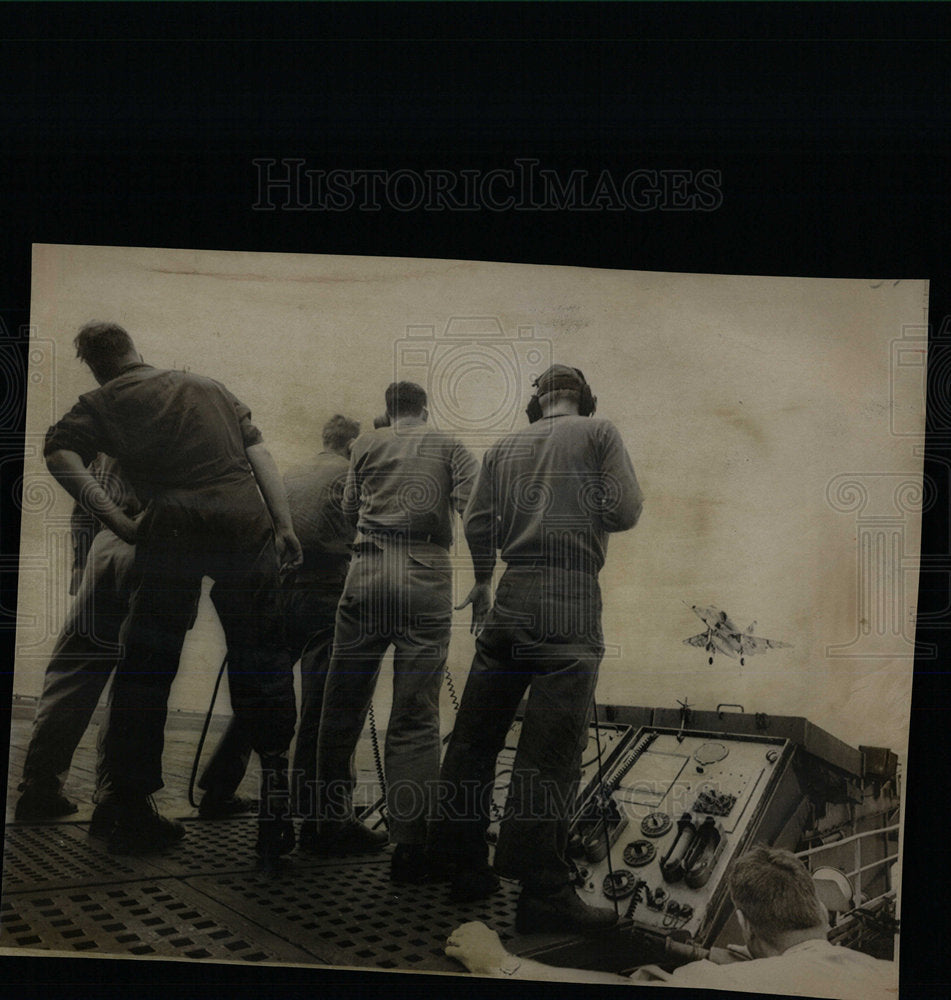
(783, 780)
(207, 898)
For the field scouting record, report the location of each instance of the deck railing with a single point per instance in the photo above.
(858, 868)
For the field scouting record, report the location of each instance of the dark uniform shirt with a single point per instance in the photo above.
(171, 430)
(83, 526)
(315, 496)
(408, 480)
(551, 492)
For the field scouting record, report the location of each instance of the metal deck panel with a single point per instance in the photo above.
(355, 910)
(42, 858)
(157, 918)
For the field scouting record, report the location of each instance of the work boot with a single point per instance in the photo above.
(137, 827)
(308, 836)
(103, 819)
(408, 864)
(40, 802)
(336, 839)
(275, 838)
(215, 806)
(561, 910)
(275, 828)
(472, 883)
(412, 864)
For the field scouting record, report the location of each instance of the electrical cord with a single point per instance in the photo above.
(495, 813)
(375, 740)
(636, 897)
(452, 691)
(204, 733)
(603, 800)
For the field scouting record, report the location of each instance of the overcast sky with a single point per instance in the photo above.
(772, 423)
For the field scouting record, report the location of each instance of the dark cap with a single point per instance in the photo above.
(559, 377)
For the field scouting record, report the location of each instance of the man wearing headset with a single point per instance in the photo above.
(547, 496)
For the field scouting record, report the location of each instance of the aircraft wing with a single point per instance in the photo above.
(697, 640)
(759, 644)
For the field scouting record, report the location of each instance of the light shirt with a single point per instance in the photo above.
(409, 480)
(809, 969)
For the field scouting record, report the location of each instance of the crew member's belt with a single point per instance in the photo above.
(373, 539)
(571, 566)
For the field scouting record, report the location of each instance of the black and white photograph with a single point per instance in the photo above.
(601, 587)
(474, 503)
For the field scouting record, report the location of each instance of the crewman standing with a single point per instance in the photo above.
(215, 506)
(405, 482)
(547, 497)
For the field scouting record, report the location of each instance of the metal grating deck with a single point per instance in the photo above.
(355, 910)
(61, 855)
(152, 918)
(206, 899)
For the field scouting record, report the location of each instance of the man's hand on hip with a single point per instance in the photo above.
(119, 523)
(480, 597)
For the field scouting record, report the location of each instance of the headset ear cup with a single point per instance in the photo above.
(533, 410)
(588, 402)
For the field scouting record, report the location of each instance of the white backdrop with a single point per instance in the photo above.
(772, 423)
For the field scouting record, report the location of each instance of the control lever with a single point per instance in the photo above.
(672, 864)
(684, 718)
(705, 849)
(596, 846)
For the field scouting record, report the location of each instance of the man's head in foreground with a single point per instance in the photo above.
(776, 901)
(777, 907)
